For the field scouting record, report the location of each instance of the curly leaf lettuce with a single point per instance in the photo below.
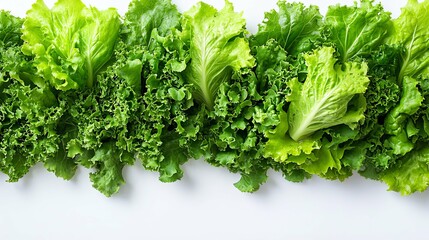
(295, 27)
(411, 174)
(143, 17)
(10, 26)
(167, 123)
(356, 30)
(322, 116)
(410, 32)
(396, 121)
(330, 96)
(30, 116)
(217, 48)
(70, 42)
(402, 128)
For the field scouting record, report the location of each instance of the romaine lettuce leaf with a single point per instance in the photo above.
(70, 42)
(331, 95)
(217, 48)
(410, 32)
(143, 17)
(295, 27)
(356, 30)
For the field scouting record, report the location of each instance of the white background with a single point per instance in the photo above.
(205, 205)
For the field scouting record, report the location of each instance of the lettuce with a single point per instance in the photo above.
(30, 116)
(410, 32)
(143, 17)
(410, 174)
(322, 116)
(166, 124)
(358, 30)
(295, 27)
(217, 48)
(104, 116)
(329, 96)
(305, 95)
(406, 124)
(70, 42)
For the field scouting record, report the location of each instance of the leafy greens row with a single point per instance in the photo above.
(305, 95)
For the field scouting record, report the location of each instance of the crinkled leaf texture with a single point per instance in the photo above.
(330, 96)
(167, 123)
(217, 48)
(30, 116)
(404, 125)
(411, 174)
(397, 120)
(107, 160)
(70, 42)
(321, 118)
(357, 30)
(382, 95)
(294, 26)
(10, 26)
(411, 32)
(105, 118)
(144, 16)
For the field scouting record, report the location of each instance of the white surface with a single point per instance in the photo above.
(205, 205)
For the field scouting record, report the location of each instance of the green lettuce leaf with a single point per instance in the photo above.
(30, 116)
(382, 95)
(294, 26)
(356, 30)
(107, 160)
(167, 122)
(70, 42)
(246, 109)
(143, 17)
(282, 148)
(411, 173)
(217, 48)
(330, 96)
(396, 121)
(10, 27)
(410, 32)
(105, 118)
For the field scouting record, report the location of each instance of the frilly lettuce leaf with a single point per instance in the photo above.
(167, 122)
(10, 29)
(30, 116)
(330, 96)
(294, 26)
(246, 109)
(400, 129)
(217, 48)
(282, 148)
(410, 32)
(70, 42)
(396, 121)
(107, 160)
(143, 17)
(318, 154)
(105, 117)
(411, 173)
(327, 94)
(356, 30)
(367, 153)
